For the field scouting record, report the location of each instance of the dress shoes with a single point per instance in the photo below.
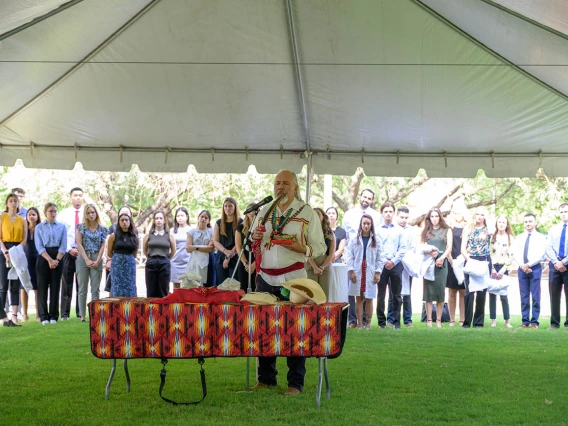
(261, 385)
(292, 391)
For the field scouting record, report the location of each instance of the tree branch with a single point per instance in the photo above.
(494, 200)
(416, 183)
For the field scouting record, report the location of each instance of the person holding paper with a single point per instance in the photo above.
(502, 260)
(475, 245)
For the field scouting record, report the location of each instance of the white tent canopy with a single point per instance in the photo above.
(451, 86)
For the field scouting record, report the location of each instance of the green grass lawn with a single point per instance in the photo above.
(413, 376)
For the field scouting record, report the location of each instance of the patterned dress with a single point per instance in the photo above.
(123, 268)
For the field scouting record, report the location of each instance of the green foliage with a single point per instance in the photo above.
(147, 192)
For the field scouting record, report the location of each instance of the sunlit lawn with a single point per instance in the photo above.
(396, 377)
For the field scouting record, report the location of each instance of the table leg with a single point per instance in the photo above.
(247, 387)
(327, 389)
(113, 369)
(318, 390)
(128, 376)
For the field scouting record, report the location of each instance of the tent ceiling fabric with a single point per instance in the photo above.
(388, 86)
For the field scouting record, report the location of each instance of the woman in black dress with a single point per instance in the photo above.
(33, 217)
(224, 240)
(244, 265)
(339, 232)
(456, 291)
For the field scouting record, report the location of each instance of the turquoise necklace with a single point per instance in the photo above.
(277, 228)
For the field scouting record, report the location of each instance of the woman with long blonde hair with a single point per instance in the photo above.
(502, 260)
(91, 238)
(475, 245)
(457, 220)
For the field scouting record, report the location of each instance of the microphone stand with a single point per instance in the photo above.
(246, 241)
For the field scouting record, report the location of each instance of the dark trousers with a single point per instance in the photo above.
(221, 274)
(529, 284)
(267, 371)
(5, 284)
(48, 282)
(475, 296)
(493, 301)
(392, 278)
(406, 308)
(157, 271)
(557, 280)
(67, 278)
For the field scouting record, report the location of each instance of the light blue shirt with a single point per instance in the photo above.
(553, 246)
(50, 235)
(393, 242)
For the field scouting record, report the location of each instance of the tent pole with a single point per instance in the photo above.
(309, 179)
(79, 64)
(299, 81)
(497, 56)
(526, 19)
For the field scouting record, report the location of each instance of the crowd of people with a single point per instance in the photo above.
(66, 251)
(379, 256)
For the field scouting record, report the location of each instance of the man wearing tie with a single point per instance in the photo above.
(557, 252)
(70, 217)
(529, 249)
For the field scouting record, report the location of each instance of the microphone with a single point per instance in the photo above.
(259, 205)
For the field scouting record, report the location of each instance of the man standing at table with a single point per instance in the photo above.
(351, 221)
(281, 263)
(70, 217)
(557, 252)
(528, 251)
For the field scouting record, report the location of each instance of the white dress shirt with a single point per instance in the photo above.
(352, 219)
(553, 246)
(537, 248)
(67, 217)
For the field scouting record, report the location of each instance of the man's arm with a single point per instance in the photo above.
(315, 242)
(401, 247)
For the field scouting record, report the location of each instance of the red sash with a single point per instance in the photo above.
(281, 271)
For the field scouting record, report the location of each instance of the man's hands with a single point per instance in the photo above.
(389, 264)
(559, 266)
(73, 252)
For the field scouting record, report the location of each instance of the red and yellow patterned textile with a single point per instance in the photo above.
(138, 328)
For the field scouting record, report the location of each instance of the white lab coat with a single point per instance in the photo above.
(354, 260)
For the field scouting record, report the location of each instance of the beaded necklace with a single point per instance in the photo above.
(278, 228)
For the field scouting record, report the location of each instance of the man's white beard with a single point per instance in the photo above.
(284, 200)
